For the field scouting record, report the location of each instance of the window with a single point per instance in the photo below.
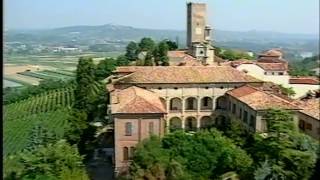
(309, 126)
(280, 73)
(265, 73)
(159, 88)
(302, 125)
(245, 117)
(221, 87)
(128, 128)
(234, 108)
(207, 87)
(206, 101)
(125, 154)
(132, 149)
(175, 88)
(240, 113)
(151, 127)
(252, 121)
(272, 73)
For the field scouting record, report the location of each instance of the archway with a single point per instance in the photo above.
(221, 102)
(175, 104)
(206, 122)
(190, 124)
(175, 124)
(206, 103)
(191, 103)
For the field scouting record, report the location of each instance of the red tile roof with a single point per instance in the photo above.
(187, 74)
(272, 66)
(260, 100)
(304, 80)
(311, 107)
(137, 100)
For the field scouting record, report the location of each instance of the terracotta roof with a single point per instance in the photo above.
(137, 100)
(304, 80)
(187, 74)
(129, 69)
(259, 100)
(272, 66)
(272, 52)
(311, 107)
(181, 58)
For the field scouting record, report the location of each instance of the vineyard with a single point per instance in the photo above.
(48, 110)
(48, 101)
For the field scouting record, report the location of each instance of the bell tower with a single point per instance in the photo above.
(199, 33)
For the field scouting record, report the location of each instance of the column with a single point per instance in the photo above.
(183, 122)
(198, 122)
(183, 104)
(198, 104)
(168, 104)
(213, 103)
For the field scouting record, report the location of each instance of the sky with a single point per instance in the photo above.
(290, 16)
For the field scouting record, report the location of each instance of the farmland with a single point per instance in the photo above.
(49, 110)
(31, 69)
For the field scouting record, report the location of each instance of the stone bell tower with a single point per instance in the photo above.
(198, 33)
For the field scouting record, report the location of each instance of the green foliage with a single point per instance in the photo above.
(122, 61)
(85, 79)
(52, 161)
(12, 95)
(146, 44)
(291, 154)
(132, 51)
(105, 68)
(171, 45)
(232, 55)
(206, 154)
(287, 91)
(235, 130)
(45, 102)
(148, 61)
(20, 133)
(302, 68)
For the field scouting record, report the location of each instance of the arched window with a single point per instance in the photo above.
(128, 129)
(125, 154)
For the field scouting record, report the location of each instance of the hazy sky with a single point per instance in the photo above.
(292, 16)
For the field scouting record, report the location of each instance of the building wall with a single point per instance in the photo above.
(140, 131)
(314, 131)
(259, 73)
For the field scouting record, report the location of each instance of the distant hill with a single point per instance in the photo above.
(87, 35)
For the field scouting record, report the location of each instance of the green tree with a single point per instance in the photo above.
(146, 44)
(163, 53)
(148, 61)
(105, 67)
(171, 45)
(131, 51)
(122, 61)
(85, 78)
(53, 162)
(291, 154)
(204, 155)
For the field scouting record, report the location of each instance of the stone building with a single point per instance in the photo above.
(158, 100)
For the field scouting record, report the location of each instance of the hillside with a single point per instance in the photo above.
(48, 110)
(117, 34)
